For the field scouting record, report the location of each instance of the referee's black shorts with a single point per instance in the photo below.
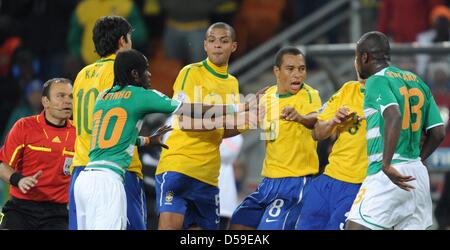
(32, 215)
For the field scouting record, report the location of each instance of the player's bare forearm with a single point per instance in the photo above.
(323, 130)
(195, 125)
(434, 137)
(199, 110)
(308, 120)
(5, 172)
(392, 128)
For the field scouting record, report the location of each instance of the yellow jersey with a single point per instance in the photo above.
(290, 148)
(192, 153)
(348, 158)
(92, 80)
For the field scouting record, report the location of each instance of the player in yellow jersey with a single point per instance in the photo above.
(291, 158)
(110, 35)
(329, 197)
(187, 173)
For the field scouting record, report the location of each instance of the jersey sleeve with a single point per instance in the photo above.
(315, 102)
(12, 151)
(433, 117)
(378, 94)
(329, 109)
(183, 88)
(153, 101)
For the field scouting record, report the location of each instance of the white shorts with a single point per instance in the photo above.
(100, 200)
(380, 204)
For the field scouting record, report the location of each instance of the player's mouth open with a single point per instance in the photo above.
(295, 86)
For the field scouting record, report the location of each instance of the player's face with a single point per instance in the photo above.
(59, 103)
(359, 66)
(219, 46)
(145, 78)
(291, 74)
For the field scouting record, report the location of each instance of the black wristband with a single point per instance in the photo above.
(15, 178)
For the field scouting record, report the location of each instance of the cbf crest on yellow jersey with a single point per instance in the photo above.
(92, 80)
(348, 158)
(290, 148)
(196, 154)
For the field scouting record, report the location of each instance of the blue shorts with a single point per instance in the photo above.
(196, 200)
(326, 204)
(136, 201)
(275, 205)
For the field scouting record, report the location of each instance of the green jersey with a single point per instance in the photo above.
(117, 120)
(392, 86)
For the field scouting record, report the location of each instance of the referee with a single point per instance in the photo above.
(35, 160)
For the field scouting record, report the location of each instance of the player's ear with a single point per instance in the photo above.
(234, 47)
(135, 75)
(364, 57)
(45, 101)
(276, 70)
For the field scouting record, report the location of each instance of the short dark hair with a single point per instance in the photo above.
(126, 61)
(48, 84)
(376, 44)
(286, 51)
(107, 32)
(222, 25)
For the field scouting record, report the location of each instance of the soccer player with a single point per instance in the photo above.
(35, 160)
(329, 197)
(110, 35)
(118, 112)
(398, 106)
(291, 156)
(187, 173)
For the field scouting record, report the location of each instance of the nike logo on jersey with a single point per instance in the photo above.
(270, 220)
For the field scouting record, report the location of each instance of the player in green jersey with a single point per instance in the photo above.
(118, 112)
(398, 107)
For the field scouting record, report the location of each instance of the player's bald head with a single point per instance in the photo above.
(375, 44)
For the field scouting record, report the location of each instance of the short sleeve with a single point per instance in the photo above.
(433, 117)
(314, 102)
(329, 109)
(153, 101)
(184, 85)
(12, 150)
(378, 94)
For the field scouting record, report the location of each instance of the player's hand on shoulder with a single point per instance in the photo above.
(28, 182)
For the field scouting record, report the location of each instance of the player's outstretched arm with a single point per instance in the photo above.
(392, 127)
(324, 129)
(434, 137)
(155, 138)
(24, 183)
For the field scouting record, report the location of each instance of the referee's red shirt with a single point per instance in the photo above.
(33, 145)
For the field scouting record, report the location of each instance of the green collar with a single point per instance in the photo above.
(212, 71)
(104, 60)
(288, 94)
